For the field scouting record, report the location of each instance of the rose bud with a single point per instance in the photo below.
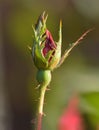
(46, 52)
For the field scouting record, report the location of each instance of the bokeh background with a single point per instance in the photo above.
(78, 75)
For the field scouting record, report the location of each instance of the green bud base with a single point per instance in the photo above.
(44, 77)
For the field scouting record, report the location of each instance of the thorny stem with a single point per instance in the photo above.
(40, 107)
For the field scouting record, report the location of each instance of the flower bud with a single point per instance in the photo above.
(46, 52)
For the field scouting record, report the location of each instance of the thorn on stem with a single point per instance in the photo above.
(44, 114)
(38, 86)
(29, 48)
(47, 89)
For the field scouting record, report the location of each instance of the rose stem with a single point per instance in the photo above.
(40, 107)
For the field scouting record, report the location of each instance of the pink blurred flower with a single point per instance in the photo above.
(71, 118)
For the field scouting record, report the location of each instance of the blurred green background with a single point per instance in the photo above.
(79, 74)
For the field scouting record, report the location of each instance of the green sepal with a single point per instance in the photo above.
(39, 60)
